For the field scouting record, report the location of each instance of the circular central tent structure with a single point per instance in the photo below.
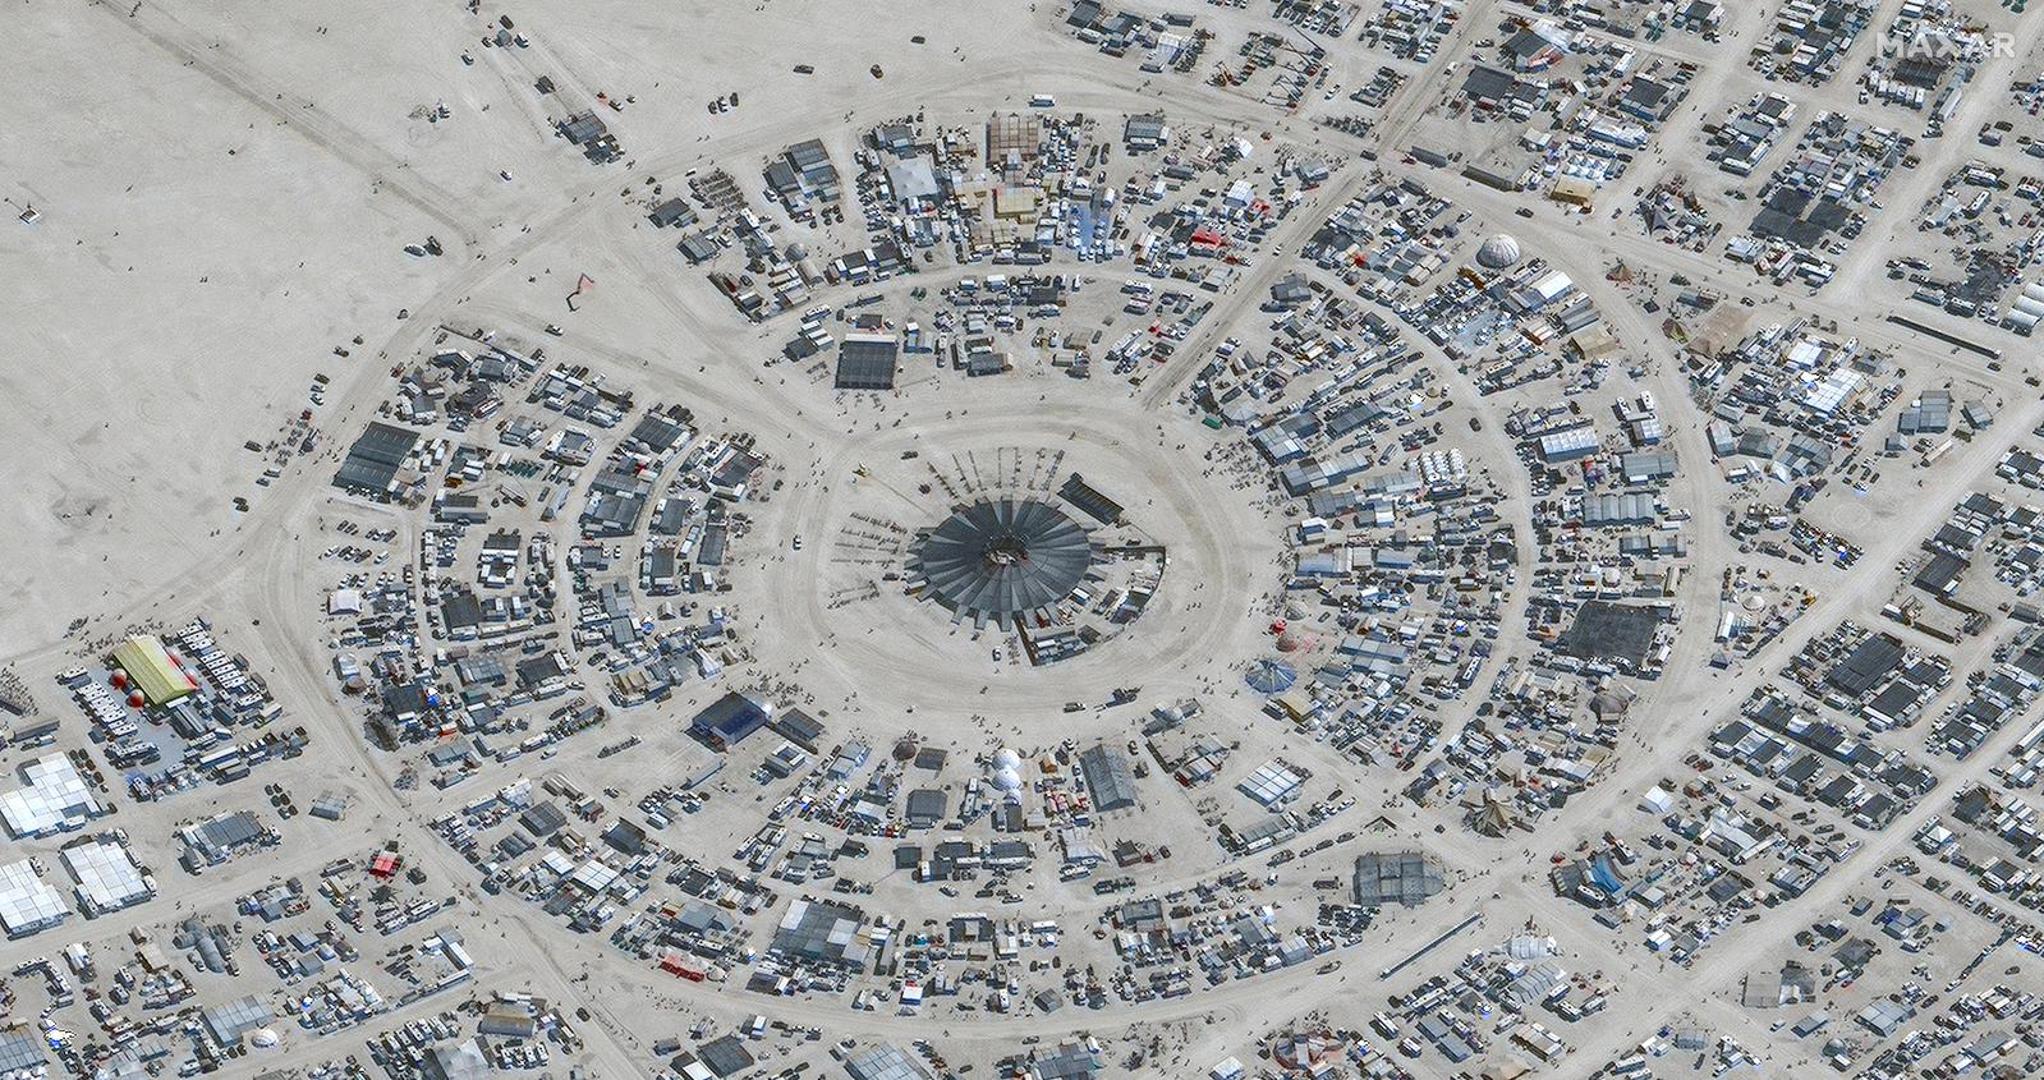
(999, 559)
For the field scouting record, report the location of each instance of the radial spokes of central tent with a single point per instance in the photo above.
(1000, 558)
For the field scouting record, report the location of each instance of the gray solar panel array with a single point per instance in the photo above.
(1403, 877)
(885, 1062)
(20, 1049)
(1109, 776)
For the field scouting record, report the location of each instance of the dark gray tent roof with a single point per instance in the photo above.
(999, 558)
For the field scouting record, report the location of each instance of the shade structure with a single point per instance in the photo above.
(997, 559)
(1271, 677)
(151, 669)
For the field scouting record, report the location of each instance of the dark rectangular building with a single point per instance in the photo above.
(730, 719)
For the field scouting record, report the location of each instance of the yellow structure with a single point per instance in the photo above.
(150, 669)
(1594, 342)
(1574, 191)
(1015, 202)
(1296, 703)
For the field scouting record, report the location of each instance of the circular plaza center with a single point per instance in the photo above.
(1000, 559)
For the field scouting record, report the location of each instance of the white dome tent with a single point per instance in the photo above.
(1498, 252)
